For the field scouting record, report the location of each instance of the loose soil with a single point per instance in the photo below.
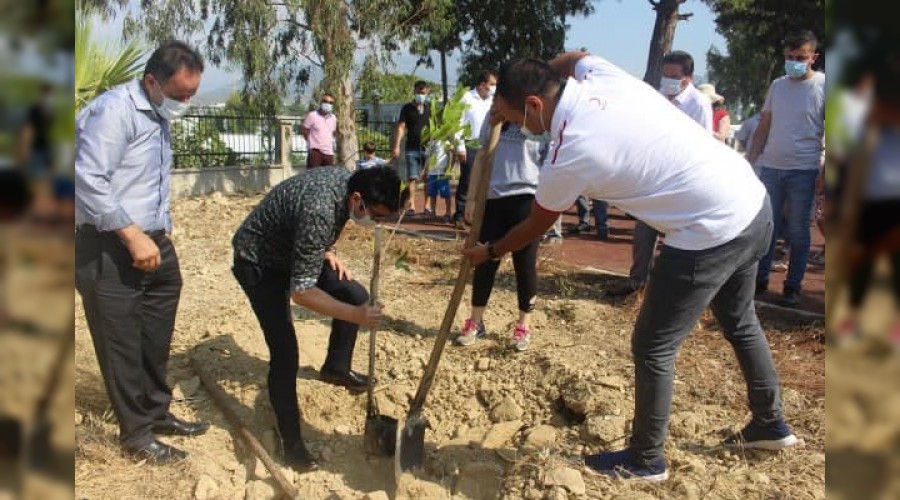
(503, 423)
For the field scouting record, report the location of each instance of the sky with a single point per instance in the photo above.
(618, 30)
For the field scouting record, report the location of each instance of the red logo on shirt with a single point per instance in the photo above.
(559, 142)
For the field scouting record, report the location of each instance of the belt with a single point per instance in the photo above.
(91, 230)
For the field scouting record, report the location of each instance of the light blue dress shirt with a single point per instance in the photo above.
(123, 161)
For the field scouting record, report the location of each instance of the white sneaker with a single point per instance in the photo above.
(521, 337)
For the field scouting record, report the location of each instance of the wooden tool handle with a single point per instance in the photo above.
(465, 268)
(373, 300)
(224, 403)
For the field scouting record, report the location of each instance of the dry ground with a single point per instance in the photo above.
(501, 421)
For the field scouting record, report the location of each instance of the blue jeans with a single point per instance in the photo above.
(600, 209)
(794, 190)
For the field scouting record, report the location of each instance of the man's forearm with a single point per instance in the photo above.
(760, 137)
(318, 301)
(523, 234)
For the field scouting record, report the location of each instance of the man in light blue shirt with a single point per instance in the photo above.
(127, 270)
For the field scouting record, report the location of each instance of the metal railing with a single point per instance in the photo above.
(211, 137)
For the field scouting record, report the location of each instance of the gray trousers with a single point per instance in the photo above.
(643, 250)
(682, 285)
(131, 317)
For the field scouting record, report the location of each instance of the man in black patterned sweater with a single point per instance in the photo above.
(285, 250)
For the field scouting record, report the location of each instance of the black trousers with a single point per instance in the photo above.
(269, 293)
(131, 316)
(462, 189)
(501, 215)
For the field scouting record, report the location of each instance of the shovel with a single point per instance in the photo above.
(380, 435)
(410, 451)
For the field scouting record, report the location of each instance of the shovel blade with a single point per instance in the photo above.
(410, 451)
(380, 435)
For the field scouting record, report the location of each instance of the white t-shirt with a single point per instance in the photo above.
(615, 138)
(696, 105)
(798, 124)
(476, 112)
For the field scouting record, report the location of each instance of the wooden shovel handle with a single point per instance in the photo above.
(465, 267)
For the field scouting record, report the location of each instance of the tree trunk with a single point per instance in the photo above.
(444, 75)
(667, 18)
(348, 144)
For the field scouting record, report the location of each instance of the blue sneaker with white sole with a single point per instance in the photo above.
(772, 437)
(620, 464)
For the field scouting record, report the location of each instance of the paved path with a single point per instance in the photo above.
(615, 254)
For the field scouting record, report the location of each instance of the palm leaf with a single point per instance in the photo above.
(99, 68)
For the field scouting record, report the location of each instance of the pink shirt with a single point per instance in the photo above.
(321, 131)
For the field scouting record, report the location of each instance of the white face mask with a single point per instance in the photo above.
(170, 109)
(531, 136)
(364, 221)
(670, 86)
(326, 107)
(492, 89)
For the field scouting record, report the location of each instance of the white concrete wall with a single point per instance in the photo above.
(226, 180)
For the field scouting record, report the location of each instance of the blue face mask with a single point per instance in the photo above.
(795, 69)
(531, 136)
(421, 98)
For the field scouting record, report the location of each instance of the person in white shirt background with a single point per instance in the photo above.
(614, 138)
(479, 101)
(678, 86)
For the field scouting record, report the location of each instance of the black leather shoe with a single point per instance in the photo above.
(299, 458)
(761, 287)
(353, 381)
(158, 453)
(177, 427)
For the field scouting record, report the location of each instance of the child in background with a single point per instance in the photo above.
(369, 159)
(437, 176)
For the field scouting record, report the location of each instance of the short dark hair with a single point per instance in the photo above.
(327, 94)
(484, 76)
(379, 186)
(419, 85)
(800, 38)
(171, 57)
(370, 147)
(520, 78)
(682, 59)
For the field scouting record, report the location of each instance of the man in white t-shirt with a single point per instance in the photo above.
(478, 100)
(614, 138)
(677, 85)
(788, 148)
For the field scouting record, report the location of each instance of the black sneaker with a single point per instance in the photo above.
(772, 437)
(580, 228)
(299, 458)
(619, 464)
(603, 234)
(625, 289)
(790, 297)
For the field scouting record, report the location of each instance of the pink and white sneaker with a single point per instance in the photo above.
(521, 337)
(470, 332)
